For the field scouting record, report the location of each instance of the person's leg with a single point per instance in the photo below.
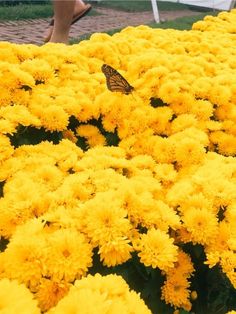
(63, 13)
(79, 6)
(80, 9)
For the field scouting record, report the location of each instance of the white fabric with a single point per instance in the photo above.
(215, 4)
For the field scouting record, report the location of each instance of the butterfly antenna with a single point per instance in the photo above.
(132, 93)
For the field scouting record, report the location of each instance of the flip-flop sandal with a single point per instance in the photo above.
(75, 18)
(81, 14)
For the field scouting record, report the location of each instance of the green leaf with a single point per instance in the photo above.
(32, 136)
(156, 102)
(112, 139)
(1, 188)
(3, 244)
(183, 312)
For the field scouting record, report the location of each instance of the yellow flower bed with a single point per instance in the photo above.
(171, 181)
(223, 22)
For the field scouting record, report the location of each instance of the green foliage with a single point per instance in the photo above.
(144, 280)
(138, 6)
(3, 244)
(112, 139)
(25, 11)
(182, 23)
(1, 188)
(216, 295)
(157, 102)
(17, 2)
(33, 136)
(34, 10)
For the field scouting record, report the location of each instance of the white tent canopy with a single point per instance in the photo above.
(214, 4)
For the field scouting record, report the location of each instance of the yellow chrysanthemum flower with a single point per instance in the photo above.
(183, 121)
(68, 255)
(108, 294)
(228, 261)
(163, 150)
(168, 91)
(201, 224)
(191, 148)
(7, 127)
(49, 176)
(212, 258)
(84, 301)
(222, 238)
(16, 298)
(92, 135)
(175, 290)
(48, 293)
(203, 109)
(105, 220)
(165, 173)
(157, 250)
(53, 118)
(39, 69)
(6, 150)
(19, 114)
(70, 135)
(183, 265)
(115, 252)
(22, 259)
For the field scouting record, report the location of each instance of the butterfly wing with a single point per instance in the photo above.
(115, 81)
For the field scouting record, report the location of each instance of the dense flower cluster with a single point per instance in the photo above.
(223, 22)
(16, 298)
(107, 294)
(152, 194)
(185, 72)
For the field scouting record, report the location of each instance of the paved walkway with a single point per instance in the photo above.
(32, 31)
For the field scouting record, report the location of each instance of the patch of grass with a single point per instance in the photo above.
(137, 6)
(29, 11)
(182, 23)
(26, 11)
(34, 11)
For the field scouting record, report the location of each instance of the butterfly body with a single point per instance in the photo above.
(115, 81)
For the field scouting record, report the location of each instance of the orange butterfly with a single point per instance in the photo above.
(115, 81)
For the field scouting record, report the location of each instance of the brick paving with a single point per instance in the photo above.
(32, 31)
